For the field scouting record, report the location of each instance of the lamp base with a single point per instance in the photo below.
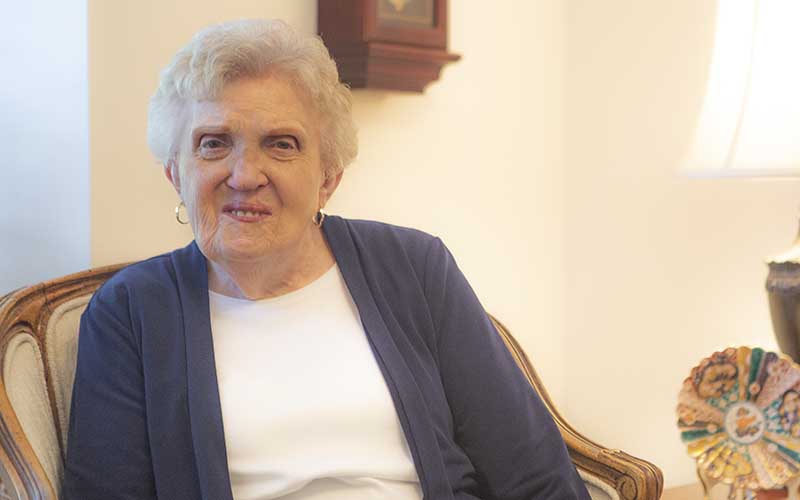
(783, 290)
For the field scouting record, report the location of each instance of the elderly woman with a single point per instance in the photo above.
(285, 354)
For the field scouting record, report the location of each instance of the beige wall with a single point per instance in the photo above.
(661, 270)
(476, 160)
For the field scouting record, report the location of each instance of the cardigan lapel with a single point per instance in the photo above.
(205, 413)
(406, 395)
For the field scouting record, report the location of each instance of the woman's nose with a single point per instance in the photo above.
(247, 173)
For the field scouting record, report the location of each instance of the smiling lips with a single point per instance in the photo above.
(246, 212)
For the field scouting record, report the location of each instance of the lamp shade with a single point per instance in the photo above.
(750, 120)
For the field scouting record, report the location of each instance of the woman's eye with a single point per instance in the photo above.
(213, 147)
(212, 143)
(284, 144)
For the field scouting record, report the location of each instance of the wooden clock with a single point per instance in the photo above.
(386, 44)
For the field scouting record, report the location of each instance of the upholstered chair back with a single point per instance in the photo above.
(38, 348)
(38, 351)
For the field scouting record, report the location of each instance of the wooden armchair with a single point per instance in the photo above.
(38, 347)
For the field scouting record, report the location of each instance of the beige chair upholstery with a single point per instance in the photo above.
(38, 347)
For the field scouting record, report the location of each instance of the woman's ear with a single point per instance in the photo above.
(172, 173)
(329, 184)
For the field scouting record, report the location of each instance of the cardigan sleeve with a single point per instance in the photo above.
(108, 455)
(499, 420)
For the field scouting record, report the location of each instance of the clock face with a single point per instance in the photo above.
(411, 13)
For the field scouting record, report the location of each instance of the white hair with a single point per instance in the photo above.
(225, 52)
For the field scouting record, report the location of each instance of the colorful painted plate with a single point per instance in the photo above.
(739, 415)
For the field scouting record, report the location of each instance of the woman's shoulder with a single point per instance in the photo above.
(142, 273)
(146, 278)
(388, 237)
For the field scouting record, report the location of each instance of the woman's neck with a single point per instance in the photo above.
(276, 274)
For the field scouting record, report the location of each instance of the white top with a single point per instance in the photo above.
(305, 408)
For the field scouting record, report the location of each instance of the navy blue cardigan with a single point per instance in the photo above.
(146, 421)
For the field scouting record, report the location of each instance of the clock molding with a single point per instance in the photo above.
(386, 44)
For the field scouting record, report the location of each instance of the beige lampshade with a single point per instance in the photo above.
(750, 120)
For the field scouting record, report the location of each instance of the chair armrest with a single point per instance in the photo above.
(632, 478)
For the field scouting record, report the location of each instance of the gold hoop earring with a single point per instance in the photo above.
(178, 213)
(318, 218)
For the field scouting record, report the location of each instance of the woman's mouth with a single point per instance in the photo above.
(242, 213)
(246, 212)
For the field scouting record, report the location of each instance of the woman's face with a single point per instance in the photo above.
(249, 170)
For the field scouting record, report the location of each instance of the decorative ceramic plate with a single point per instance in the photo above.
(739, 415)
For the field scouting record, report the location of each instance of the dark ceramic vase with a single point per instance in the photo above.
(783, 290)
